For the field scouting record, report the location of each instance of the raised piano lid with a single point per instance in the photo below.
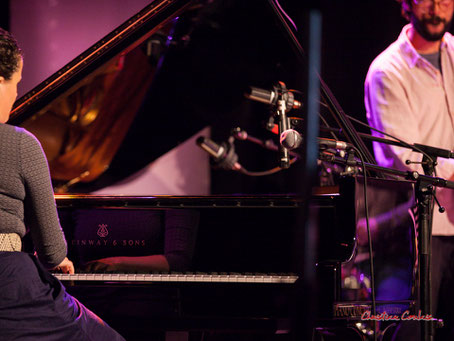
(80, 114)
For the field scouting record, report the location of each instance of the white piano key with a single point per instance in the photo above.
(181, 278)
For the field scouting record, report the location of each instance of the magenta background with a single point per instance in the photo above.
(53, 32)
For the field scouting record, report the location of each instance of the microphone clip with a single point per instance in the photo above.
(229, 159)
(222, 155)
(283, 121)
(351, 167)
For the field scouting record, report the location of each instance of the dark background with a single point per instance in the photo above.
(233, 44)
(241, 43)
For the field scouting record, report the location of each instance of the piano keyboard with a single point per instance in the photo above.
(187, 278)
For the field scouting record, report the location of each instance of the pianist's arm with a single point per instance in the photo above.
(40, 214)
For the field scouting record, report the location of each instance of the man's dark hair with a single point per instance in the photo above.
(406, 8)
(10, 54)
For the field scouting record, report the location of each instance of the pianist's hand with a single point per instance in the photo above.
(66, 267)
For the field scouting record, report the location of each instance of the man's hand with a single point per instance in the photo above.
(128, 264)
(111, 264)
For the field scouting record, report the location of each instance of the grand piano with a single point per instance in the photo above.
(160, 77)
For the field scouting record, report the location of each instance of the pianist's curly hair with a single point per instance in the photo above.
(10, 54)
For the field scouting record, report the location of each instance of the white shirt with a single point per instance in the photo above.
(407, 97)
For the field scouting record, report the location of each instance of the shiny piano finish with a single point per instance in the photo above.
(346, 285)
(82, 113)
(243, 215)
(241, 277)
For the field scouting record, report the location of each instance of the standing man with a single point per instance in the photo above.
(409, 93)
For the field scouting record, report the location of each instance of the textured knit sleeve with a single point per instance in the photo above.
(40, 210)
(180, 237)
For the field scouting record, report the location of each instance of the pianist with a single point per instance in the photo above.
(33, 304)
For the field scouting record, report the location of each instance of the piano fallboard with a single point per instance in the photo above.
(241, 274)
(174, 201)
(260, 227)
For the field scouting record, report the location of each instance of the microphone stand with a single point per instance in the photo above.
(425, 194)
(432, 151)
(243, 135)
(408, 175)
(283, 122)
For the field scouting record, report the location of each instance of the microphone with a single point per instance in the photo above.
(329, 143)
(283, 101)
(291, 139)
(224, 156)
(271, 96)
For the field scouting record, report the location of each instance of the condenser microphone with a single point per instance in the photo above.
(291, 139)
(284, 101)
(224, 156)
(270, 97)
(335, 144)
(215, 150)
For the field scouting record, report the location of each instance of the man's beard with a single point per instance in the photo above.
(421, 27)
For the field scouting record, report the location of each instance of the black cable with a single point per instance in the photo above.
(371, 254)
(267, 172)
(397, 139)
(325, 122)
(410, 146)
(332, 104)
(242, 135)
